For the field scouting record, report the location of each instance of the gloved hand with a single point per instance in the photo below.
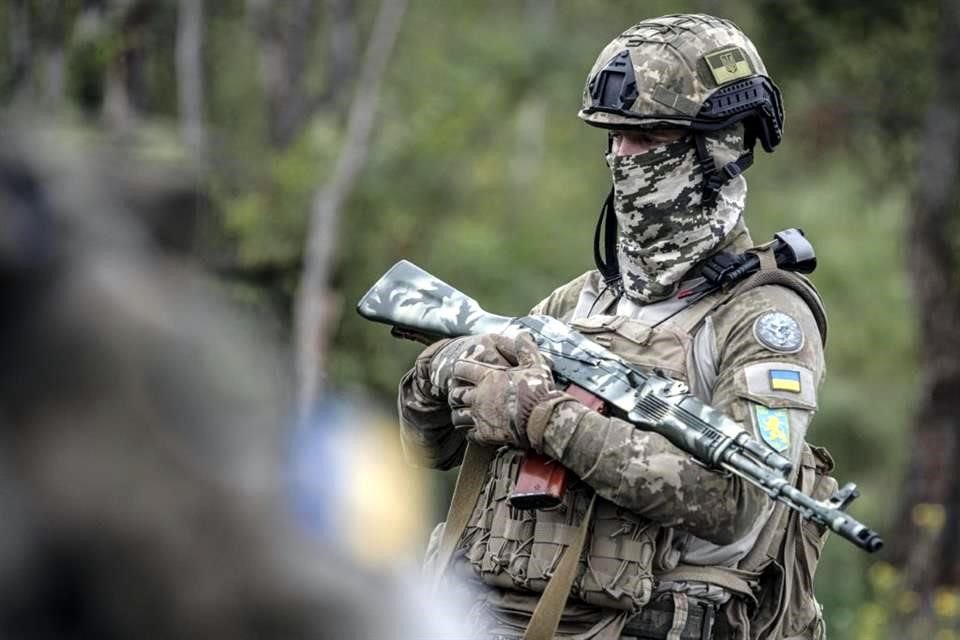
(495, 401)
(434, 366)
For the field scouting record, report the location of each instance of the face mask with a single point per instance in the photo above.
(663, 227)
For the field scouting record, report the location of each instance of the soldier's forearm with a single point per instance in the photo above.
(643, 472)
(428, 437)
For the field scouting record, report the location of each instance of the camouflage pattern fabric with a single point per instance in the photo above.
(426, 432)
(435, 365)
(494, 402)
(673, 77)
(641, 471)
(717, 517)
(423, 409)
(664, 228)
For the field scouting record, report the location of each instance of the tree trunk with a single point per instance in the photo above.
(54, 81)
(927, 542)
(190, 26)
(313, 310)
(125, 91)
(20, 50)
(285, 31)
(341, 51)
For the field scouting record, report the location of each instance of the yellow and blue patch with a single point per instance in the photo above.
(774, 427)
(785, 380)
(728, 64)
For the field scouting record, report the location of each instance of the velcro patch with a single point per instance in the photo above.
(728, 64)
(779, 332)
(774, 426)
(785, 380)
(675, 101)
(779, 384)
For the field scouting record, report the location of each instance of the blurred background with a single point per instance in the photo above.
(318, 142)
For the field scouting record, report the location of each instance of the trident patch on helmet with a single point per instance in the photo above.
(728, 64)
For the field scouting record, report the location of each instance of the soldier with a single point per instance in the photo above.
(673, 550)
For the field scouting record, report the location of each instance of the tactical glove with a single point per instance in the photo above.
(434, 366)
(495, 401)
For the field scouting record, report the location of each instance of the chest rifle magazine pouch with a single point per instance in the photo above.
(520, 549)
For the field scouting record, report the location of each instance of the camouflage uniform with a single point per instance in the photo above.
(717, 518)
(660, 523)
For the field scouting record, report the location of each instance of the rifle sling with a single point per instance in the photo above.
(546, 615)
(473, 470)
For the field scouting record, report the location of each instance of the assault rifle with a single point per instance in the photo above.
(422, 307)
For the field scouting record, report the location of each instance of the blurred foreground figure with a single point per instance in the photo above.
(141, 431)
(667, 549)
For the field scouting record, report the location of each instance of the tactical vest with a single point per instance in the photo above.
(622, 555)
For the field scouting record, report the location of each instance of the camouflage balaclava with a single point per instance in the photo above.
(664, 228)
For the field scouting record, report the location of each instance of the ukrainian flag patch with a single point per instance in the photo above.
(774, 427)
(785, 380)
(728, 64)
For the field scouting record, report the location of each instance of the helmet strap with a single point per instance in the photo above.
(605, 250)
(713, 178)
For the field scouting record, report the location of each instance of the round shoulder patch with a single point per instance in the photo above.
(779, 332)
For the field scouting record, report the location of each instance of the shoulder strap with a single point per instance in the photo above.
(766, 276)
(473, 470)
(799, 284)
(546, 615)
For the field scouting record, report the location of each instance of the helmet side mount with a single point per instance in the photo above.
(614, 88)
(755, 100)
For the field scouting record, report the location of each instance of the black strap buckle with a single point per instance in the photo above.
(720, 267)
(731, 170)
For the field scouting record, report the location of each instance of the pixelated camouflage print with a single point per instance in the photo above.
(667, 55)
(641, 471)
(663, 227)
(428, 438)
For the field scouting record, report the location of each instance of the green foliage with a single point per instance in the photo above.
(86, 66)
(267, 219)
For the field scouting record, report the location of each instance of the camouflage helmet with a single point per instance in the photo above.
(693, 71)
